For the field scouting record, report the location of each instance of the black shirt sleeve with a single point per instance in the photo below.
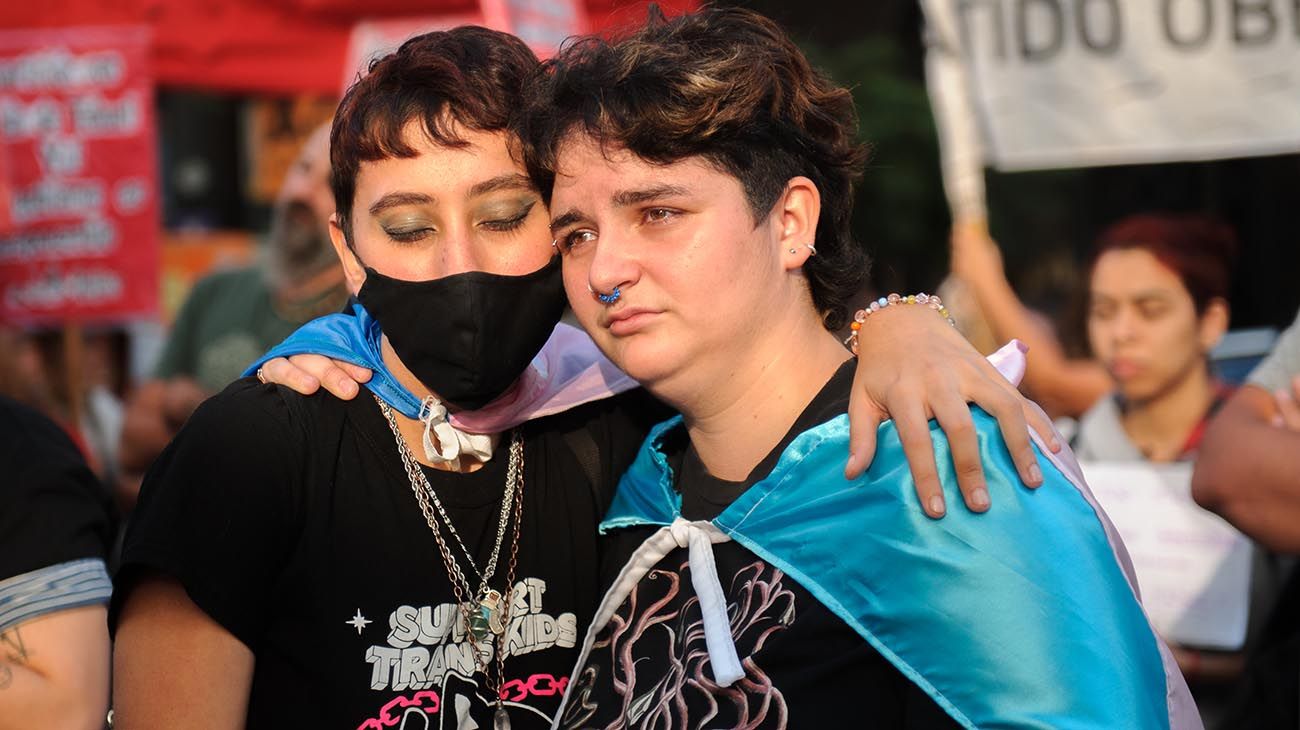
(52, 508)
(219, 510)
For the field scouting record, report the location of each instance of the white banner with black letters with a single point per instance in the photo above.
(1070, 83)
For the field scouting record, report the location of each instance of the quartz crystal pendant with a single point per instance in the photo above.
(500, 720)
(478, 624)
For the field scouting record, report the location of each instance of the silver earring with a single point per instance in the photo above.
(812, 250)
(794, 251)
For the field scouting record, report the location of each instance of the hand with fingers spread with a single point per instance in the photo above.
(912, 367)
(307, 373)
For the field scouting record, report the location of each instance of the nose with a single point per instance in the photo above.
(1126, 325)
(455, 252)
(612, 265)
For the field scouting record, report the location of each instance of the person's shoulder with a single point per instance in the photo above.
(246, 399)
(240, 275)
(228, 282)
(33, 433)
(248, 403)
(36, 452)
(1282, 364)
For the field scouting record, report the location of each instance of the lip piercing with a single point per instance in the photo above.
(606, 298)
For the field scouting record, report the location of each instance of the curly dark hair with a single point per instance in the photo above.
(729, 86)
(467, 76)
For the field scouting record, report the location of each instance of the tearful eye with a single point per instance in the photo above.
(659, 215)
(568, 242)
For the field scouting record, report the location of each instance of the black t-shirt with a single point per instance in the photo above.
(805, 667)
(52, 508)
(291, 522)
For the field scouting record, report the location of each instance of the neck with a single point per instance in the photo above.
(412, 429)
(756, 395)
(1160, 425)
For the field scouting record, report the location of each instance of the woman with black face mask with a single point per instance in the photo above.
(312, 561)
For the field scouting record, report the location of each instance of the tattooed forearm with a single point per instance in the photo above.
(12, 646)
(12, 651)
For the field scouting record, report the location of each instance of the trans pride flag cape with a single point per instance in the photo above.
(1026, 616)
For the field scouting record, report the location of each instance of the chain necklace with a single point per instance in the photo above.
(488, 613)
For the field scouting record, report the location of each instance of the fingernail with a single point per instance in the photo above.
(936, 505)
(1035, 474)
(979, 499)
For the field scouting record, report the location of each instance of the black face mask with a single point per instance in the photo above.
(467, 337)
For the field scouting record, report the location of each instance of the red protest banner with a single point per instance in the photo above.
(78, 181)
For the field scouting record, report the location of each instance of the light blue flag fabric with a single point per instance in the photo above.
(351, 338)
(1020, 617)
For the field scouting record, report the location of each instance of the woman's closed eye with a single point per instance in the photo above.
(409, 233)
(508, 221)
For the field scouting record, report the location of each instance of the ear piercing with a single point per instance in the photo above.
(812, 250)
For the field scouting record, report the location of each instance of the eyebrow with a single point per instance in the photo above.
(621, 199)
(568, 218)
(1146, 295)
(1150, 295)
(393, 200)
(508, 181)
(624, 198)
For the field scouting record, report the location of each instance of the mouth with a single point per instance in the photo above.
(1124, 369)
(629, 320)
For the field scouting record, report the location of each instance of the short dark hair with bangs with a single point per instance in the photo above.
(727, 85)
(468, 76)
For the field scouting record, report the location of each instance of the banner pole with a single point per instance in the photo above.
(74, 358)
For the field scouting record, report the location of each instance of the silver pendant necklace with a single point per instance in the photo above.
(487, 614)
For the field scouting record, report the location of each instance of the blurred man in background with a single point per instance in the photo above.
(232, 317)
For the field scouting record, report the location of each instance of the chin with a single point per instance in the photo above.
(1138, 392)
(644, 360)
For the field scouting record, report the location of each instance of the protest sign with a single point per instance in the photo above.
(1072, 83)
(78, 180)
(1192, 567)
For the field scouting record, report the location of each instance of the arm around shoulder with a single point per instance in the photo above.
(1248, 471)
(174, 666)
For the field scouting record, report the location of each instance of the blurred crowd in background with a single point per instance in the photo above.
(164, 222)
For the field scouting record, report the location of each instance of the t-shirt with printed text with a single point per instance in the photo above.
(291, 522)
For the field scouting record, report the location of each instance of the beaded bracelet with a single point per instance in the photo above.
(929, 300)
